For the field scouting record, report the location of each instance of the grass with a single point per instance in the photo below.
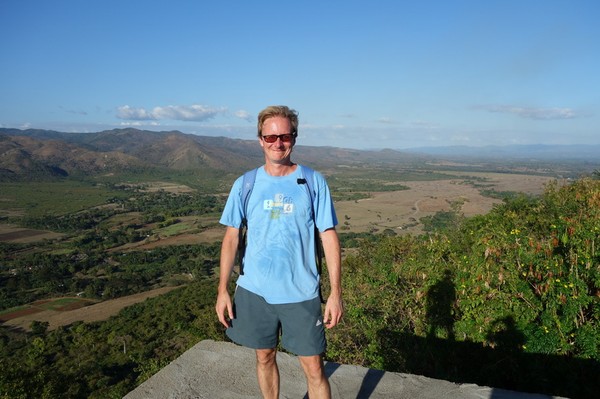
(59, 198)
(51, 304)
(60, 303)
(175, 229)
(205, 182)
(15, 309)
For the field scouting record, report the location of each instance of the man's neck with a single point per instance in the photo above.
(280, 169)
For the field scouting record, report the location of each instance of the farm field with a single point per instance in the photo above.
(397, 210)
(401, 210)
(62, 317)
(15, 234)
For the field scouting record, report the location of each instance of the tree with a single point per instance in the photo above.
(39, 327)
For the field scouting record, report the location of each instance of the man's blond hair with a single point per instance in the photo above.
(278, 110)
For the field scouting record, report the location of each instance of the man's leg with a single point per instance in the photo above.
(314, 370)
(267, 372)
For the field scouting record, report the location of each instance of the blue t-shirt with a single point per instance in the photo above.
(279, 262)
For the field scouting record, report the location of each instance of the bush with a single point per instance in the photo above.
(518, 286)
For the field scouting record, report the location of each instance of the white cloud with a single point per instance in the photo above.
(129, 113)
(245, 115)
(187, 113)
(532, 113)
(197, 113)
(140, 123)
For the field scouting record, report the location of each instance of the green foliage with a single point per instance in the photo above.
(38, 327)
(441, 220)
(108, 359)
(518, 283)
(354, 240)
(510, 299)
(28, 272)
(203, 180)
(70, 207)
(174, 205)
(155, 207)
(444, 220)
(39, 275)
(57, 198)
(70, 222)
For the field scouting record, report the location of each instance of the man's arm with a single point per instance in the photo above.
(228, 253)
(333, 256)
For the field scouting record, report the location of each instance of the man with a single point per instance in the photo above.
(278, 290)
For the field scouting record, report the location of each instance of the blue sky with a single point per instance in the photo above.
(362, 74)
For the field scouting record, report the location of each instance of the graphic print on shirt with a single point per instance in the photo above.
(279, 205)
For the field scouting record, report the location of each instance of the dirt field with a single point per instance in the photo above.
(161, 186)
(58, 304)
(14, 234)
(96, 312)
(400, 210)
(195, 230)
(206, 236)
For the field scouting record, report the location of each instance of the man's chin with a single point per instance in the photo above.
(280, 158)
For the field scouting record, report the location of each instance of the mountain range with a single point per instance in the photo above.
(37, 154)
(573, 152)
(34, 153)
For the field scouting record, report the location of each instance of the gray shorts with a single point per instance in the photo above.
(257, 324)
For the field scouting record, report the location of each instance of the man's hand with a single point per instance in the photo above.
(224, 305)
(334, 310)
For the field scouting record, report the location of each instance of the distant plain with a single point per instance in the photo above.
(399, 211)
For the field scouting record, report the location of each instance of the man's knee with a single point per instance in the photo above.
(266, 357)
(313, 367)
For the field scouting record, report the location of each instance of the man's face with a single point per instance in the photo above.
(278, 152)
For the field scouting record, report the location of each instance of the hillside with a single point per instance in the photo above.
(35, 154)
(509, 299)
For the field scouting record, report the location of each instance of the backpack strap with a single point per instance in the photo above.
(308, 179)
(247, 186)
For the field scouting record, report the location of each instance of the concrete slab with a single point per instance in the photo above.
(215, 370)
